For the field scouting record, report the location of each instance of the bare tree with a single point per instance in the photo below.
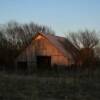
(83, 39)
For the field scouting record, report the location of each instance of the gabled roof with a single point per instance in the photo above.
(62, 44)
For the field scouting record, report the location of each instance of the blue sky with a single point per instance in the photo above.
(61, 15)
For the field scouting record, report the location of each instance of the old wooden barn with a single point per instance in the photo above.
(47, 50)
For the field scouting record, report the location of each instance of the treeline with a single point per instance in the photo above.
(15, 36)
(87, 43)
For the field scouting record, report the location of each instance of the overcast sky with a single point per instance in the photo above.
(60, 15)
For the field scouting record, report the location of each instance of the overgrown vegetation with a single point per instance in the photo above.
(58, 84)
(86, 42)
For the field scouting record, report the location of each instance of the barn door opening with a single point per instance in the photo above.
(43, 62)
(22, 66)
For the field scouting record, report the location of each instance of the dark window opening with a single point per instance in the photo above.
(43, 62)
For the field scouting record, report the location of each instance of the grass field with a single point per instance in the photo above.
(83, 85)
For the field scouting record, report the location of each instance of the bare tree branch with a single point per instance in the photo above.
(83, 39)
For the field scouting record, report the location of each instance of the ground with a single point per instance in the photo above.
(78, 85)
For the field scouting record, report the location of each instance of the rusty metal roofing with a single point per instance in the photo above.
(63, 45)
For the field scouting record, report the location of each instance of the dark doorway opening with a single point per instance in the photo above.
(43, 62)
(22, 66)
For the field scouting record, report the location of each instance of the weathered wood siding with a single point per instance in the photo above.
(43, 47)
(27, 55)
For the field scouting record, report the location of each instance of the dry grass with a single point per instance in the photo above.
(51, 86)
